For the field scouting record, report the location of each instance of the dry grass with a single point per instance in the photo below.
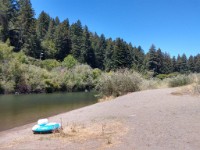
(106, 98)
(107, 133)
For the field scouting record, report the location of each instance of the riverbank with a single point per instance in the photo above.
(153, 119)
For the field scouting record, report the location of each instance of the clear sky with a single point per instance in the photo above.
(172, 25)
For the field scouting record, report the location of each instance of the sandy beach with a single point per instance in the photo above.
(146, 120)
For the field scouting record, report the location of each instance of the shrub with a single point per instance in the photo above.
(180, 80)
(118, 83)
(162, 76)
(69, 62)
(152, 83)
(49, 64)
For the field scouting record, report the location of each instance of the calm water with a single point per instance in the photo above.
(16, 110)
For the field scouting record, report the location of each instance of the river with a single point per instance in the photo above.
(17, 110)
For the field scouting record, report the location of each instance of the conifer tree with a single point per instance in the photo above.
(51, 30)
(174, 65)
(76, 34)
(42, 25)
(178, 63)
(120, 54)
(109, 62)
(167, 64)
(191, 64)
(183, 66)
(197, 63)
(152, 60)
(8, 11)
(62, 40)
(26, 26)
(100, 52)
(88, 52)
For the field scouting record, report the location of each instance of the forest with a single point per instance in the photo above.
(47, 54)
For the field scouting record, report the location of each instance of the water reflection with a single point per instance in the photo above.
(16, 110)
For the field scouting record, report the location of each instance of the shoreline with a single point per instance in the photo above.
(133, 121)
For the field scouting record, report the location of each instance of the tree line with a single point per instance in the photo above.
(50, 38)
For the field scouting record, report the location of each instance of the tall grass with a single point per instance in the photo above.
(179, 80)
(119, 83)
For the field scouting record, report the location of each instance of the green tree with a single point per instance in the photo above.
(49, 49)
(76, 34)
(197, 63)
(191, 64)
(26, 25)
(167, 64)
(62, 40)
(152, 60)
(42, 25)
(100, 52)
(183, 65)
(51, 30)
(8, 11)
(174, 65)
(57, 21)
(121, 53)
(69, 62)
(88, 52)
(109, 52)
(138, 58)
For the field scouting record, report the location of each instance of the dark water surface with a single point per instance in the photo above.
(16, 110)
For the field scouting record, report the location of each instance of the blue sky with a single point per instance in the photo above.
(172, 25)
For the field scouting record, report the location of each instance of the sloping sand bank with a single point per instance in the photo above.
(147, 120)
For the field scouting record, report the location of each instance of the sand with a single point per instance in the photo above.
(146, 120)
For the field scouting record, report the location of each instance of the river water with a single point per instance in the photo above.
(17, 110)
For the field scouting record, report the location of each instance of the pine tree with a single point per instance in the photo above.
(8, 11)
(167, 64)
(51, 30)
(76, 34)
(121, 53)
(42, 25)
(109, 52)
(161, 68)
(197, 63)
(57, 21)
(100, 52)
(191, 64)
(152, 60)
(26, 26)
(88, 52)
(174, 65)
(62, 40)
(183, 66)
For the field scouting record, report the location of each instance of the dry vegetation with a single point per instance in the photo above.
(108, 133)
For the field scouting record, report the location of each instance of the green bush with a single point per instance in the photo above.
(180, 80)
(69, 62)
(49, 64)
(162, 76)
(119, 83)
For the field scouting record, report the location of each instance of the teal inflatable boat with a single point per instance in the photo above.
(44, 127)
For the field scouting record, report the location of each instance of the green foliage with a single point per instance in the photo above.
(79, 78)
(76, 34)
(49, 48)
(73, 44)
(119, 83)
(42, 25)
(50, 64)
(180, 80)
(69, 62)
(164, 76)
(5, 52)
(62, 40)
